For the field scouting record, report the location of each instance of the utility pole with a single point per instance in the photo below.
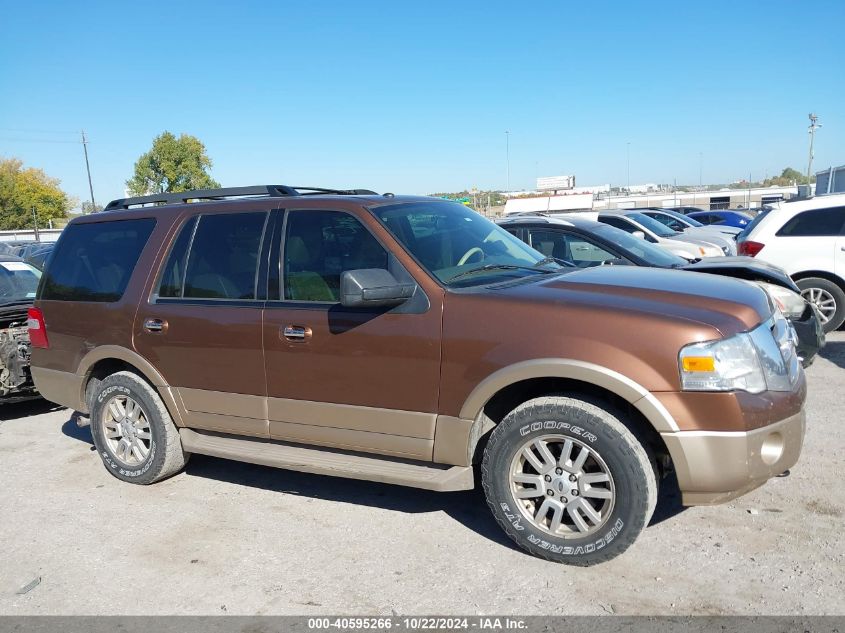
(814, 125)
(35, 224)
(508, 156)
(88, 169)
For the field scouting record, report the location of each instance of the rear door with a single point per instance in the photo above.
(357, 379)
(201, 327)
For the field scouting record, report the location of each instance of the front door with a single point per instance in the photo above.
(357, 379)
(202, 326)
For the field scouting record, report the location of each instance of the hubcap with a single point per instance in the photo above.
(823, 300)
(562, 486)
(126, 430)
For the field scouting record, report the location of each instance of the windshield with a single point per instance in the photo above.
(450, 240)
(652, 254)
(652, 225)
(18, 282)
(682, 218)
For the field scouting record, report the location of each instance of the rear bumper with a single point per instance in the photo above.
(717, 466)
(61, 387)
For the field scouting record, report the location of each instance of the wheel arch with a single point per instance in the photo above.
(508, 387)
(831, 277)
(109, 359)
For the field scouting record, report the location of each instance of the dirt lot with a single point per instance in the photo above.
(232, 538)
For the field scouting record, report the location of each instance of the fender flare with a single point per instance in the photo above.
(632, 392)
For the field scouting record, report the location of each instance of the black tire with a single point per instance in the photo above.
(591, 424)
(834, 291)
(165, 455)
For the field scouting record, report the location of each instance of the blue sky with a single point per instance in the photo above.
(416, 97)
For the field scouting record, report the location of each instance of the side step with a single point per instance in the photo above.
(329, 461)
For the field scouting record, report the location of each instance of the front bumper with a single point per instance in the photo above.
(717, 466)
(810, 334)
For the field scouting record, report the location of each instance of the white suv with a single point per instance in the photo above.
(807, 239)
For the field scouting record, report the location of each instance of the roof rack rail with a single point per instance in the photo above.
(272, 191)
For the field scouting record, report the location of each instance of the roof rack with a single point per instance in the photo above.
(272, 191)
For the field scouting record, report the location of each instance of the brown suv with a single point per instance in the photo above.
(404, 339)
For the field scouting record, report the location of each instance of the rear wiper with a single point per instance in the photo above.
(487, 267)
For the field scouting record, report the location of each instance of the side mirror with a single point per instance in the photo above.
(372, 287)
(639, 234)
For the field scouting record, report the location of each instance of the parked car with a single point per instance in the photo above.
(806, 237)
(685, 224)
(404, 339)
(18, 283)
(640, 225)
(686, 210)
(584, 243)
(722, 218)
(38, 257)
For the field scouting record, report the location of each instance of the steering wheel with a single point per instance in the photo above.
(470, 253)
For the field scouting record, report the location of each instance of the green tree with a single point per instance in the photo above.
(788, 177)
(22, 189)
(172, 165)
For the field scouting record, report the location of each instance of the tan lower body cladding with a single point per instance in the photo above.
(407, 434)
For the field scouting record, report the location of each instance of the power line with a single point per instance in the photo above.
(35, 140)
(31, 131)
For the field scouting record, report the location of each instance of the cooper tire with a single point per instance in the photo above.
(817, 288)
(153, 450)
(624, 503)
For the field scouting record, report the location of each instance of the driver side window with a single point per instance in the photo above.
(319, 246)
(571, 248)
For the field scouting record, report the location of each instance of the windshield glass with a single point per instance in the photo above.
(652, 254)
(652, 225)
(683, 218)
(449, 240)
(18, 282)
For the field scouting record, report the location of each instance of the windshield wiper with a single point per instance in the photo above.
(487, 267)
(554, 260)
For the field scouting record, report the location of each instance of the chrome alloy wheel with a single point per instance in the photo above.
(126, 430)
(562, 486)
(823, 300)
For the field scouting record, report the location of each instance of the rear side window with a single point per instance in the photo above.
(94, 262)
(223, 258)
(819, 222)
(173, 276)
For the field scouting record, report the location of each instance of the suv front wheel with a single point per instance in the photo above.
(133, 431)
(567, 481)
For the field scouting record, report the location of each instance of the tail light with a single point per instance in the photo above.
(749, 248)
(37, 328)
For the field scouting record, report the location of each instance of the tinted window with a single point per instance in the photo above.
(18, 282)
(570, 248)
(223, 260)
(94, 261)
(319, 246)
(619, 223)
(818, 222)
(173, 275)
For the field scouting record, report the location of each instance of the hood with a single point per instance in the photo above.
(728, 305)
(744, 268)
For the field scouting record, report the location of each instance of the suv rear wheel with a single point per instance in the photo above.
(133, 431)
(828, 297)
(567, 481)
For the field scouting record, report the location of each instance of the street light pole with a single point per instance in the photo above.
(508, 156)
(814, 125)
(88, 169)
(628, 156)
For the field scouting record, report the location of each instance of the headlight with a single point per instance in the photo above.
(759, 360)
(791, 304)
(724, 365)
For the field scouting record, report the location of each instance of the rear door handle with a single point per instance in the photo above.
(296, 332)
(156, 326)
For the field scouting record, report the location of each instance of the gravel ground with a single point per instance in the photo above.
(233, 538)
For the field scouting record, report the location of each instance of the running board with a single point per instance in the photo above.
(329, 461)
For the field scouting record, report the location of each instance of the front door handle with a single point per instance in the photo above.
(156, 326)
(296, 332)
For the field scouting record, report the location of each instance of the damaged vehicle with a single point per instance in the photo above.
(18, 283)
